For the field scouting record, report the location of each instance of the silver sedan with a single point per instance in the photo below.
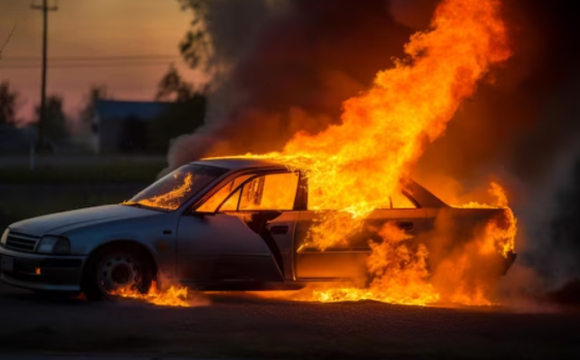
(212, 224)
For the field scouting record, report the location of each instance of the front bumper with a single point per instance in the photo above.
(57, 273)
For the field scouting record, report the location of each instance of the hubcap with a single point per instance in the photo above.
(118, 272)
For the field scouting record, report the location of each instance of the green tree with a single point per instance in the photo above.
(8, 101)
(196, 46)
(185, 114)
(55, 126)
(172, 87)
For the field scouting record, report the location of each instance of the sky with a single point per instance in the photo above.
(89, 29)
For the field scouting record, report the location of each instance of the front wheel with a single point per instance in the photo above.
(115, 270)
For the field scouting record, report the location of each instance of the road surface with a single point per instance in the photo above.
(242, 326)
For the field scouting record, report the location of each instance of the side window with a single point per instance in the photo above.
(232, 202)
(402, 201)
(270, 192)
(216, 199)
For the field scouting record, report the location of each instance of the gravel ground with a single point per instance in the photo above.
(244, 326)
(84, 357)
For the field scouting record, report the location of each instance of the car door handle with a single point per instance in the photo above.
(279, 229)
(405, 225)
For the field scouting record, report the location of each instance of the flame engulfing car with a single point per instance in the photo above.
(213, 224)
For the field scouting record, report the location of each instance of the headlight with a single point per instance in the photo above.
(4, 237)
(53, 245)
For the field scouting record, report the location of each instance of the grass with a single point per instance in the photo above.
(62, 184)
(81, 174)
(26, 201)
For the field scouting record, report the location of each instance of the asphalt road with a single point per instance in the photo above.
(243, 326)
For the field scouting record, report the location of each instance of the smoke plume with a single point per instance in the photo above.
(293, 74)
(288, 65)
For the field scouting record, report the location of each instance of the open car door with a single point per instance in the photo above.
(242, 234)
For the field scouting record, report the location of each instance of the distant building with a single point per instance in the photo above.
(119, 126)
(143, 127)
(14, 140)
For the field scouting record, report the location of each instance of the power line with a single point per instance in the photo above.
(92, 58)
(7, 40)
(85, 65)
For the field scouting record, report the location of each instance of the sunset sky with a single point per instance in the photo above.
(137, 29)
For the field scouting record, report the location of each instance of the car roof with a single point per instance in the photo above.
(239, 163)
(422, 195)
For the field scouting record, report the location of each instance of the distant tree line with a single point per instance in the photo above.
(8, 99)
(56, 131)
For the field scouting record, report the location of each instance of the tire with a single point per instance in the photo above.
(117, 267)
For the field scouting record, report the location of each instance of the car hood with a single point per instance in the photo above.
(59, 223)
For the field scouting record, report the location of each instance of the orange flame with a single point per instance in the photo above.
(355, 166)
(497, 236)
(174, 296)
(399, 275)
(170, 200)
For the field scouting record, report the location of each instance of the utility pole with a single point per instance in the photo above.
(42, 120)
(7, 40)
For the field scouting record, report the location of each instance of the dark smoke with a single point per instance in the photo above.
(415, 14)
(299, 59)
(524, 129)
(304, 63)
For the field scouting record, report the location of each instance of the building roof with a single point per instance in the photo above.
(141, 110)
(15, 140)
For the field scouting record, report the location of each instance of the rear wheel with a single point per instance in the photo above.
(115, 269)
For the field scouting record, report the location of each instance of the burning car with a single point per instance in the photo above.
(237, 223)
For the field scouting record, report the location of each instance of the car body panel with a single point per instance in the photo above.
(222, 247)
(282, 230)
(349, 259)
(60, 273)
(62, 222)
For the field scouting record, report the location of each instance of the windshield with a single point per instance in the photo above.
(171, 191)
